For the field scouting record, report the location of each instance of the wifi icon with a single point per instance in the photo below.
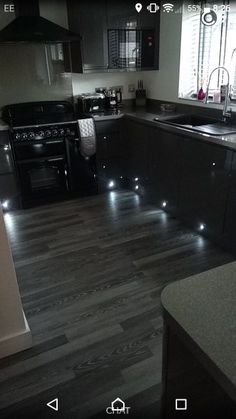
(168, 7)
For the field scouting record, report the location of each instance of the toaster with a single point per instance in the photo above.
(91, 102)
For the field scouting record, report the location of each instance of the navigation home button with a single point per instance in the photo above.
(53, 404)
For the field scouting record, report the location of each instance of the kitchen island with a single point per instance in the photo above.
(199, 351)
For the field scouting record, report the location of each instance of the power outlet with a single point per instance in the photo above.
(131, 88)
(121, 88)
(100, 89)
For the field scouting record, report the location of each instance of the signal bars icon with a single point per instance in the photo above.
(168, 7)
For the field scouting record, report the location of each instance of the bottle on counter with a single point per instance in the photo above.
(201, 94)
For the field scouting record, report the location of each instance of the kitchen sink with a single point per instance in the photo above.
(190, 120)
(201, 124)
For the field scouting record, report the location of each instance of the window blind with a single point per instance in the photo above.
(205, 47)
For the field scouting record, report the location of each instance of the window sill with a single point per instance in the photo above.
(209, 104)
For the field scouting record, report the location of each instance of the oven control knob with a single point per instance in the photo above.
(24, 136)
(48, 133)
(31, 135)
(54, 132)
(17, 136)
(61, 132)
(41, 134)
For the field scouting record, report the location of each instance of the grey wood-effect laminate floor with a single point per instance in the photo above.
(91, 271)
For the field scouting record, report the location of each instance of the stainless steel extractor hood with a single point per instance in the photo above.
(29, 26)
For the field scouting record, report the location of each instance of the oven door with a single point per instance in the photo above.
(39, 149)
(43, 177)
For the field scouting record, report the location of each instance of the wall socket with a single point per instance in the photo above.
(131, 88)
(98, 89)
(121, 88)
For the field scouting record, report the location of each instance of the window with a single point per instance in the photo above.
(205, 47)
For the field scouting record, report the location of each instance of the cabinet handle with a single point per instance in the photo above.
(56, 159)
(54, 142)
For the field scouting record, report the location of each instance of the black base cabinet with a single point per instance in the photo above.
(230, 214)
(163, 169)
(9, 191)
(189, 178)
(203, 185)
(136, 150)
(110, 153)
(153, 164)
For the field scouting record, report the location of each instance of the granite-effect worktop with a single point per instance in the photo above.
(147, 116)
(202, 310)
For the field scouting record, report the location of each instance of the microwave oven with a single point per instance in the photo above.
(131, 48)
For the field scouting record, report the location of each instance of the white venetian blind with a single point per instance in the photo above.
(189, 53)
(205, 47)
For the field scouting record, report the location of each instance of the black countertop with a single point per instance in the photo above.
(202, 310)
(147, 116)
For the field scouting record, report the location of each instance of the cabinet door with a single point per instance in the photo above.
(163, 169)
(110, 149)
(133, 38)
(88, 18)
(203, 186)
(122, 14)
(72, 57)
(6, 160)
(8, 188)
(137, 135)
(230, 216)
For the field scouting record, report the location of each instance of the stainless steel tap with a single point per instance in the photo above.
(225, 113)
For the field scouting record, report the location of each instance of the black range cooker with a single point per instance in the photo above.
(46, 148)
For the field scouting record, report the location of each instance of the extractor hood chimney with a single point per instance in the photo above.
(29, 26)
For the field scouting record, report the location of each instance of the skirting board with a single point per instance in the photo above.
(17, 342)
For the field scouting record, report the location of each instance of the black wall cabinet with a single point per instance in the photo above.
(88, 18)
(94, 20)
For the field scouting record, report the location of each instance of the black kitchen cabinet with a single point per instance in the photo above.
(6, 160)
(110, 151)
(136, 139)
(8, 184)
(122, 14)
(230, 214)
(89, 19)
(72, 57)
(133, 38)
(114, 37)
(203, 188)
(163, 169)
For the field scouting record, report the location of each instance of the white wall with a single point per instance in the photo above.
(23, 70)
(86, 83)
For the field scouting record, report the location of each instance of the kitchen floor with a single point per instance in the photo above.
(91, 272)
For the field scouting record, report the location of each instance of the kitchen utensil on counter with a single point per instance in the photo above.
(141, 97)
(119, 97)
